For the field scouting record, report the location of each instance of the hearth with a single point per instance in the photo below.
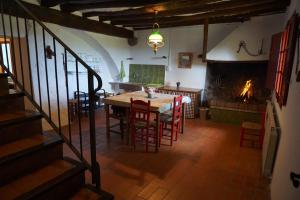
(237, 82)
(235, 91)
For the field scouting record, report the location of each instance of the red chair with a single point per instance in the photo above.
(254, 130)
(172, 119)
(140, 126)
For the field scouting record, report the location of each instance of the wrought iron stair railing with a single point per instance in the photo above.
(26, 49)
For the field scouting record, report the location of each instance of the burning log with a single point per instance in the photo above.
(247, 91)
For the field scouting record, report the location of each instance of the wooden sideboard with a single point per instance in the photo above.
(191, 109)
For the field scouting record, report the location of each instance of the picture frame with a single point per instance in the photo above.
(185, 59)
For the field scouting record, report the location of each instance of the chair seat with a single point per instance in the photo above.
(141, 124)
(168, 119)
(168, 112)
(251, 125)
(165, 118)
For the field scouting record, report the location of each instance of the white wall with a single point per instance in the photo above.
(223, 41)
(100, 51)
(252, 32)
(288, 158)
(183, 39)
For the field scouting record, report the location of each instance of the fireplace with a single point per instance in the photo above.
(236, 87)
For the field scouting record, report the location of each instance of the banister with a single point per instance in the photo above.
(62, 43)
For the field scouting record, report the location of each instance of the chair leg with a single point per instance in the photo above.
(147, 139)
(242, 136)
(177, 130)
(160, 132)
(122, 128)
(172, 132)
(133, 137)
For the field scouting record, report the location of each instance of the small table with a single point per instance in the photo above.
(191, 109)
(159, 104)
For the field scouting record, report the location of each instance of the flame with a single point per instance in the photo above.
(247, 90)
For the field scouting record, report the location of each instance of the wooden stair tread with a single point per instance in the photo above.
(86, 194)
(35, 180)
(12, 93)
(15, 117)
(90, 193)
(27, 144)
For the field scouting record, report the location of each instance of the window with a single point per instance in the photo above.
(5, 49)
(285, 60)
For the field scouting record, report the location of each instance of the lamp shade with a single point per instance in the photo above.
(155, 39)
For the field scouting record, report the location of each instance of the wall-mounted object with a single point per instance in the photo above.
(243, 45)
(185, 60)
(48, 52)
(129, 58)
(122, 72)
(132, 41)
(159, 57)
(295, 178)
(147, 74)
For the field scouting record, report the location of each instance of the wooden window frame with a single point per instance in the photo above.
(286, 59)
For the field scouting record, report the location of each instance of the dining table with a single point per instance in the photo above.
(159, 103)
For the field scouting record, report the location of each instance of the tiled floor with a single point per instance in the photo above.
(206, 163)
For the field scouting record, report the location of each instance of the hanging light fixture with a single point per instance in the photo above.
(155, 39)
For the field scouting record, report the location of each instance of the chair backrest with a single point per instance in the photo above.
(177, 108)
(81, 95)
(139, 111)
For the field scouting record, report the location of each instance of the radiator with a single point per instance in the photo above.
(271, 140)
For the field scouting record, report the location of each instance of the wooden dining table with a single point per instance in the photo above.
(159, 104)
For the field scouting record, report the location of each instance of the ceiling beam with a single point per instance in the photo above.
(217, 20)
(174, 8)
(75, 6)
(50, 3)
(193, 23)
(67, 20)
(225, 12)
(150, 9)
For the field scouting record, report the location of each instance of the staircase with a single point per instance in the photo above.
(32, 164)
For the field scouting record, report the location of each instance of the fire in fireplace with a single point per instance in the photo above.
(247, 91)
(236, 82)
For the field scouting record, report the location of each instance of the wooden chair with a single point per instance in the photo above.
(254, 130)
(172, 119)
(141, 128)
(99, 98)
(120, 114)
(83, 100)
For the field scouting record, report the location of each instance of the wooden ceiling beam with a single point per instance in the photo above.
(219, 20)
(150, 9)
(65, 19)
(170, 9)
(71, 7)
(50, 3)
(226, 12)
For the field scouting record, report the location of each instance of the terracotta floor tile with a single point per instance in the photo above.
(205, 163)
